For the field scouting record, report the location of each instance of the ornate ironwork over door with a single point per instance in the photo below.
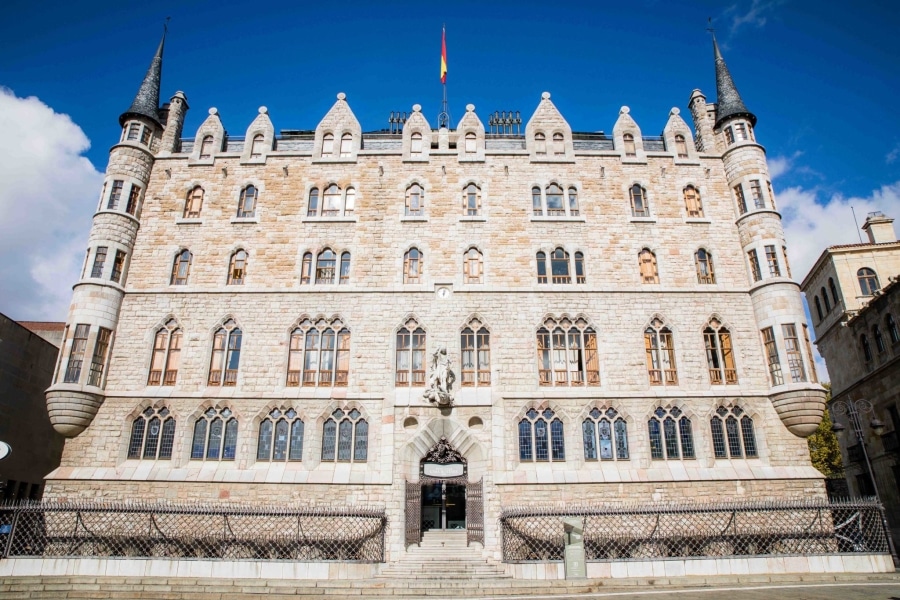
(413, 513)
(475, 512)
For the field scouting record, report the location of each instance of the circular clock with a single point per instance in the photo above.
(443, 292)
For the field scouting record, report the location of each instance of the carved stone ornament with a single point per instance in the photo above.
(443, 453)
(440, 383)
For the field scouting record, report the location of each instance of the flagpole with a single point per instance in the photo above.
(444, 117)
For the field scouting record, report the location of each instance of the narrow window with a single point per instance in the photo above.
(787, 264)
(476, 357)
(134, 197)
(559, 266)
(410, 368)
(331, 201)
(193, 203)
(166, 357)
(280, 437)
(739, 194)
(704, 263)
(412, 266)
(146, 136)
(349, 202)
(152, 435)
(472, 200)
(826, 300)
(740, 132)
(573, 202)
(834, 294)
(555, 207)
(559, 146)
(118, 267)
(306, 269)
(237, 269)
(548, 439)
(772, 259)
(247, 205)
(226, 355)
(660, 350)
(772, 355)
(579, 268)
(181, 268)
(472, 266)
(680, 146)
(256, 148)
(345, 269)
(671, 434)
(346, 145)
(470, 143)
(692, 202)
(98, 361)
(325, 264)
(206, 147)
(115, 195)
(541, 260)
(313, 209)
(540, 143)
(415, 201)
(215, 435)
(893, 332)
(415, 144)
(719, 354)
(134, 131)
(536, 202)
(76, 354)
(639, 207)
(729, 135)
(754, 265)
(99, 260)
(819, 309)
(345, 437)
(867, 351)
(328, 144)
(809, 353)
(879, 339)
(605, 435)
(647, 263)
(630, 150)
(756, 194)
(771, 194)
(868, 281)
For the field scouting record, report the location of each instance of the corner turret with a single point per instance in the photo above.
(728, 101)
(146, 101)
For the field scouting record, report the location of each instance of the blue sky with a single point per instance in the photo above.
(822, 78)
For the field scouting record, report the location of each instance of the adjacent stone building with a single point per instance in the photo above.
(326, 317)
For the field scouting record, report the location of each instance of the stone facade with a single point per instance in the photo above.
(410, 191)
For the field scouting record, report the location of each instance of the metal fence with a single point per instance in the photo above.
(700, 530)
(220, 531)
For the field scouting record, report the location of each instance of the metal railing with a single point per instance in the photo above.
(208, 531)
(531, 534)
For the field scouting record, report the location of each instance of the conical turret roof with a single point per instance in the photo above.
(146, 102)
(728, 100)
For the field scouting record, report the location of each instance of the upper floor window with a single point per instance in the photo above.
(537, 204)
(166, 355)
(345, 437)
(247, 204)
(541, 437)
(680, 146)
(827, 301)
(867, 350)
(868, 281)
(346, 145)
(719, 354)
(819, 309)
(573, 202)
(118, 267)
(671, 434)
(794, 354)
(692, 203)
(772, 356)
(327, 270)
(755, 271)
(146, 136)
(554, 202)
(152, 435)
(834, 294)
(319, 354)
(415, 201)
(540, 143)
(328, 144)
(313, 209)
(879, 339)
(256, 148)
(134, 198)
(206, 147)
(237, 268)
(76, 353)
(98, 361)
(133, 132)
(470, 143)
(628, 140)
(639, 205)
(809, 354)
(115, 194)
(567, 353)
(559, 266)
(415, 144)
(893, 332)
(280, 437)
(756, 194)
(181, 268)
(193, 204)
(472, 200)
(704, 263)
(660, 347)
(740, 132)
(412, 266)
(215, 435)
(732, 429)
(605, 435)
(325, 266)
(475, 354)
(647, 263)
(555, 206)
(99, 261)
(473, 266)
(226, 355)
(410, 355)
(729, 135)
(580, 276)
(772, 259)
(771, 194)
(559, 145)
(787, 264)
(741, 201)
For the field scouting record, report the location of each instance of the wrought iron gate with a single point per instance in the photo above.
(413, 513)
(475, 512)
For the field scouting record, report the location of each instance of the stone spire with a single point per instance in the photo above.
(146, 102)
(728, 100)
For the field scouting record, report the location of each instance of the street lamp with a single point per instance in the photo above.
(853, 409)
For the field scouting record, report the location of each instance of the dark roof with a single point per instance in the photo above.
(843, 246)
(42, 325)
(728, 100)
(146, 102)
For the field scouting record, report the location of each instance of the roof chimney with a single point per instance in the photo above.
(879, 228)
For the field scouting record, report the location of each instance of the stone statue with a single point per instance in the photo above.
(440, 383)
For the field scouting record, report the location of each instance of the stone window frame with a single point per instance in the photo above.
(693, 206)
(540, 208)
(143, 443)
(629, 147)
(681, 445)
(704, 266)
(661, 354)
(732, 433)
(471, 191)
(358, 426)
(893, 331)
(225, 353)
(413, 266)
(793, 349)
(718, 341)
(648, 267)
(143, 133)
(868, 281)
(181, 267)
(834, 293)
(419, 210)
(410, 354)
(77, 351)
(166, 350)
(119, 267)
(555, 346)
(475, 347)
(347, 205)
(473, 261)
(592, 434)
(644, 212)
(540, 418)
(826, 300)
(243, 210)
(124, 196)
(257, 146)
(193, 205)
(237, 267)
(301, 344)
(311, 273)
(228, 437)
(100, 357)
(546, 261)
(819, 308)
(207, 147)
(274, 415)
(681, 147)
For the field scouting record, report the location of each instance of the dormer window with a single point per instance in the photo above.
(470, 143)
(681, 146)
(415, 144)
(256, 150)
(559, 146)
(540, 143)
(346, 145)
(206, 147)
(328, 144)
(630, 149)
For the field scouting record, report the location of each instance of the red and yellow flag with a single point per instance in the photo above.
(443, 56)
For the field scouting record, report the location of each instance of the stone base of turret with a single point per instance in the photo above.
(800, 410)
(71, 411)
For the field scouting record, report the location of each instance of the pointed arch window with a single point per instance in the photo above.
(867, 350)
(536, 202)
(319, 354)
(415, 144)
(410, 368)
(660, 347)
(152, 435)
(206, 147)
(471, 143)
(573, 202)
(328, 145)
(280, 437)
(719, 354)
(639, 206)
(166, 359)
(247, 204)
(647, 263)
(412, 266)
(237, 269)
(306, 269)
(692, 203)
(541, 260)
(826, 300)
(580, 276)
(475, 354)
(313, 209)
(680, 146)
(226, 355)
(473, 266)
(415, 201)
(345, 437)
(834, 294)
(325, 266)
(671, 434)
(704, 262)
(346, 145)
(559, 266)
(541, 437)
(567, 354)
(605, 435)
(555, 206)
(630, 149)
(472, 200)
(819, 309)
(345, 269)
(215, 435)
(868, 281)
(349, 201)
(540, 143)
(893, 332)
(879, 339)
(181, 268)
(559, 145)
(331, 204)
(732, 433)
(257, 147)
(193, 204)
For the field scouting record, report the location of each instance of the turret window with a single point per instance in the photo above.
(756, 194)
(719, 354)
(740, 132)
(809, 354)
(280, 437)
(345, 437)
(215, 435)
(739, 196)
(755, 271)
(152, 435)
(226, 355)
(99, 261)
(206, 147)
(98, 361)
(146, 136)
(692, 203)
(193, 204)
(704, 263)
(628, 141)
(181, 268)
(639, 205)
(319, 354)
(541, 437)
(237, 269)
(671, 434)
(680, 146)
(166, 357)
(134, 131)
(794, 355)
(76, 353)
(868, 281)
(247, 204)
(118, 267)
(787, 263)
(134, 197)
(605, 435)
(115, 195)
(772, 356)
(647, 264)
(660, 348)
(729, 135)
(772, 259)
(732, 433)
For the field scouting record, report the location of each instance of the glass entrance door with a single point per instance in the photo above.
(443, 506)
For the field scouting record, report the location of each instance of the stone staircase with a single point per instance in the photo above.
(443, 554)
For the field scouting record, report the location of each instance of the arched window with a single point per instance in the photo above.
(215, 435)
(193, 204)
(559, 266)
(567, 353)
(152, 435)
(541, 260)
(256, 149)
(834, 294)
(226, 355)
(412, 266)
(306, 269)
(868, 281)
(206, 147)
(349, 201)
(473, 266)
(704, 262)
(470, 143)
(346, 145)
(580, 276)
(573, 202)
(472, 200)
(166, 355)
(345, 269)
(331, 201)
(541, 437)
(555, 206)
(475, 354)
(647, 263)
(280, 437)
(345, 437)
(181, 268)
(415, 201)
(893, 332)
(826, 300)
(692, 203)
(247, 205)
(819, 309)
(237, 270)
(732, 429)
(879, 339)
(559, 146)
(660, 348)
(313, 210)
(719, 354)
(325, 263)
(630, 149)
(605, 435)
(867, 351)
(328, 144)
(671, 434)
(536, 202)
(540, 143)
(639, 206)
(410, 355)
(319, 354)
(680, 146)
(415, 144)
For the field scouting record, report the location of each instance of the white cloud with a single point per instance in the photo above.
(893, 155)
(755, 16)
(47, 195)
